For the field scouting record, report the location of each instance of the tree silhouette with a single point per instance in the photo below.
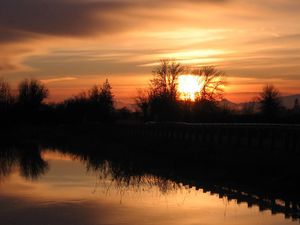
(102, 95)
(101, 100)
(7, 162)
(163, 104)
(269, 100)
(6, 98)
(161, 100)
(165, 78)
(74, 108)
(97, 104)
(142, 102)
(213, 82)
(206, 110)
(32, 165)
(31, 94)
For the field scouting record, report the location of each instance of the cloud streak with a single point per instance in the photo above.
(64, 18)
(75, 18)
(58, 79)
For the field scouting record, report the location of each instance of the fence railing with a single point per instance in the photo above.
(272, 136)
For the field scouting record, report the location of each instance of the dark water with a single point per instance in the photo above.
(47, 187)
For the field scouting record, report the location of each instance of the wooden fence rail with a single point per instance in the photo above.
(270, 136)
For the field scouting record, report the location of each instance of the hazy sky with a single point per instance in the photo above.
(73, 44)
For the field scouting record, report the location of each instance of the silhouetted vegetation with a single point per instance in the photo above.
(213, 82)
(269, 102)
(95, 105)
(26, 157)
(161, 101)
(6, 99)
(163, 94)
(31, 94)
(29, 106)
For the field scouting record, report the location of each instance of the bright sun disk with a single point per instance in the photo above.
(189, 86)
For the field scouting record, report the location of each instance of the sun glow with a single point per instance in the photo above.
(189, 86)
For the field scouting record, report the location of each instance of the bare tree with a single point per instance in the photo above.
(213, 83)
(162, 94)
(165, 78)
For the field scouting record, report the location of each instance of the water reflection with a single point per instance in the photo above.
(26, 158)
(66, 181)
(7, 161)
(124, 180)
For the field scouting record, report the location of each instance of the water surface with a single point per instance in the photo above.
(50, 187)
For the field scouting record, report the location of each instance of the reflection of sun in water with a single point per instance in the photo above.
(189, 86)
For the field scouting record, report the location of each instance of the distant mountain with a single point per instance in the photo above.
(287, 101)
(225, 103)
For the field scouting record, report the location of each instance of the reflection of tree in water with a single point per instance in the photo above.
(121, 173)
(7, 162)
(124, 181)
(27, 158)
(125, 177)
(32, 165)
(112, 176)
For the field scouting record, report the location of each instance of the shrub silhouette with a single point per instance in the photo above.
(31, 94)
(206, 110)
(101, 101)
(6, 98)
(270, 103)
(163, 107)
(143, 103)
(97, 104)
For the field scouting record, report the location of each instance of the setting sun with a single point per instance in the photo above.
(189, 86)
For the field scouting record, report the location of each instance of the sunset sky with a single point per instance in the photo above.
(72, 44)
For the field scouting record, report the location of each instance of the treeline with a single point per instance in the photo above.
(161, 101)
(267, 107)
(28, 105)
